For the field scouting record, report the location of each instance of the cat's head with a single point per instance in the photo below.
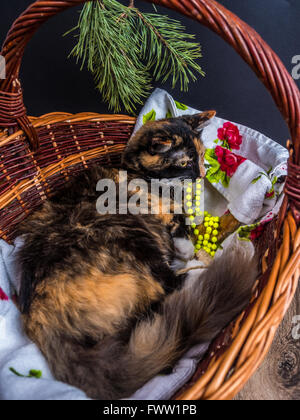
(170, 148)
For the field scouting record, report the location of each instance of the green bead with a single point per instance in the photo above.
(196, 232)
(214, 239)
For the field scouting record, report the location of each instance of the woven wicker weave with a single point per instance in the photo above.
(38, 155)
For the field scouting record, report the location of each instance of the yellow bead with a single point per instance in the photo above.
(205, 213)
(214, 247)
(215, 233)
(206, 218)
(216, 219)
(198, 180)
(189, 197)
(209, 230)
(206, 224)
(200, 237)
(191, 218)
(214, 239)
(212, 253)
(216, 225)
(207, 250)
(198, 246)
(196, 232)
(211, 223)
(209, 245)
(205, 243)
(198, 204)
(189, 204)
(193, 225)
(190, 211)
(189, 190)
(206, 236)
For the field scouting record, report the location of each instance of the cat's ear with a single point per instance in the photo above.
(160, 145)
(199, 121)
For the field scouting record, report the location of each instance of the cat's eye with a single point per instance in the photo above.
(183, 164)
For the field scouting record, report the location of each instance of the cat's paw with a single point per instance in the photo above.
(184, 248)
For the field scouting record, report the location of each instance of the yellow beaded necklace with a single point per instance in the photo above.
(209, 240)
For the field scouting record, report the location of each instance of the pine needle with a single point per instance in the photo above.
(125, 49)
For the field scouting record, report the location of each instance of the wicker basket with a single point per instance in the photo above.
(38, 155)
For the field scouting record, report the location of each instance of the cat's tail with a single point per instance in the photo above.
(194, 314)
(115, 369)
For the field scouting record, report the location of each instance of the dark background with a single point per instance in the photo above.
(52, 82)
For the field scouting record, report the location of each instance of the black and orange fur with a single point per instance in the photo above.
(98, 294)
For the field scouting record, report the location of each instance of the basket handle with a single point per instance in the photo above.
(249, 45)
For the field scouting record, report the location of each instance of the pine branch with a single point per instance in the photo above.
(124, 49)
(177, 57)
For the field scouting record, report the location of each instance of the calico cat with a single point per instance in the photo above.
(98, 294)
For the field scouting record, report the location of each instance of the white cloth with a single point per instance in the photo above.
(246, 201)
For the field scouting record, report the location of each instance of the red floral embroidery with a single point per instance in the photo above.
(229, 161)
(270, 194)
(259, 230)
(3, 295)
(231, 134)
